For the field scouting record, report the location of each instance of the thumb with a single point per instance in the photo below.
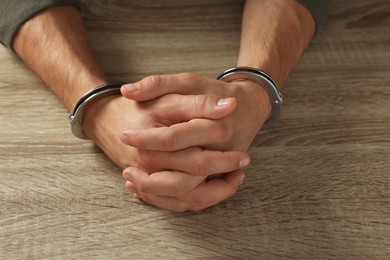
(155, 86)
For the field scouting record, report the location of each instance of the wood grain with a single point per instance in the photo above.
(319, 183)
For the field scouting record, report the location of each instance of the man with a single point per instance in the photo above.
(180, 138)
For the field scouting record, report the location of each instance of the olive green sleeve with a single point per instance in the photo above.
(318, 9)
(13, 13)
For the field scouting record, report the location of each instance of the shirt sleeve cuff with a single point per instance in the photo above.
(16, 12)
(318, 9)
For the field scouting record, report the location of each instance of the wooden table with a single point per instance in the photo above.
(319, 183)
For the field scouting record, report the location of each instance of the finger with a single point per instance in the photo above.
(158, 85)
(165, 183)
(179, 108)
(214, 190)
(205, 195)
(169, 203)
(130, 186)
(197, 132)
(194, 160)
(205, 162)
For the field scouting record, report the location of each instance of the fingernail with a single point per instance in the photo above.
(127, 175)
(135, 195)
(131, 87)
(130, 186)
(125, 137)
(223, 102)
(244, 162)
(241, 180)
(128, 132)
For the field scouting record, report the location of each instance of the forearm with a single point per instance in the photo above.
(55, 46)
(274, 36)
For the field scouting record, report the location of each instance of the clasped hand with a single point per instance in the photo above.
(186, 137)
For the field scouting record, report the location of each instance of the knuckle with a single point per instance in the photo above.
(203, 167)
(143, 158)
(201, 102)
(187, 76)
(146, 159)
(169, 140)
(155, 80)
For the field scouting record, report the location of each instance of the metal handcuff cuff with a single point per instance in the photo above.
(264, 80)
(76, 117)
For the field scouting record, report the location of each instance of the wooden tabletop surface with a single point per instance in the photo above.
(319, 183)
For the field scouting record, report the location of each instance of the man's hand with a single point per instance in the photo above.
(179, 175)
(179, 190)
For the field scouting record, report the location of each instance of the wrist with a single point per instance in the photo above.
(265, 83)
(95, 116)
(76, 117)
(79, 88)
(259, 98)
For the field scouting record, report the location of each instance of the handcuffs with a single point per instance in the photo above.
(76, 117)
